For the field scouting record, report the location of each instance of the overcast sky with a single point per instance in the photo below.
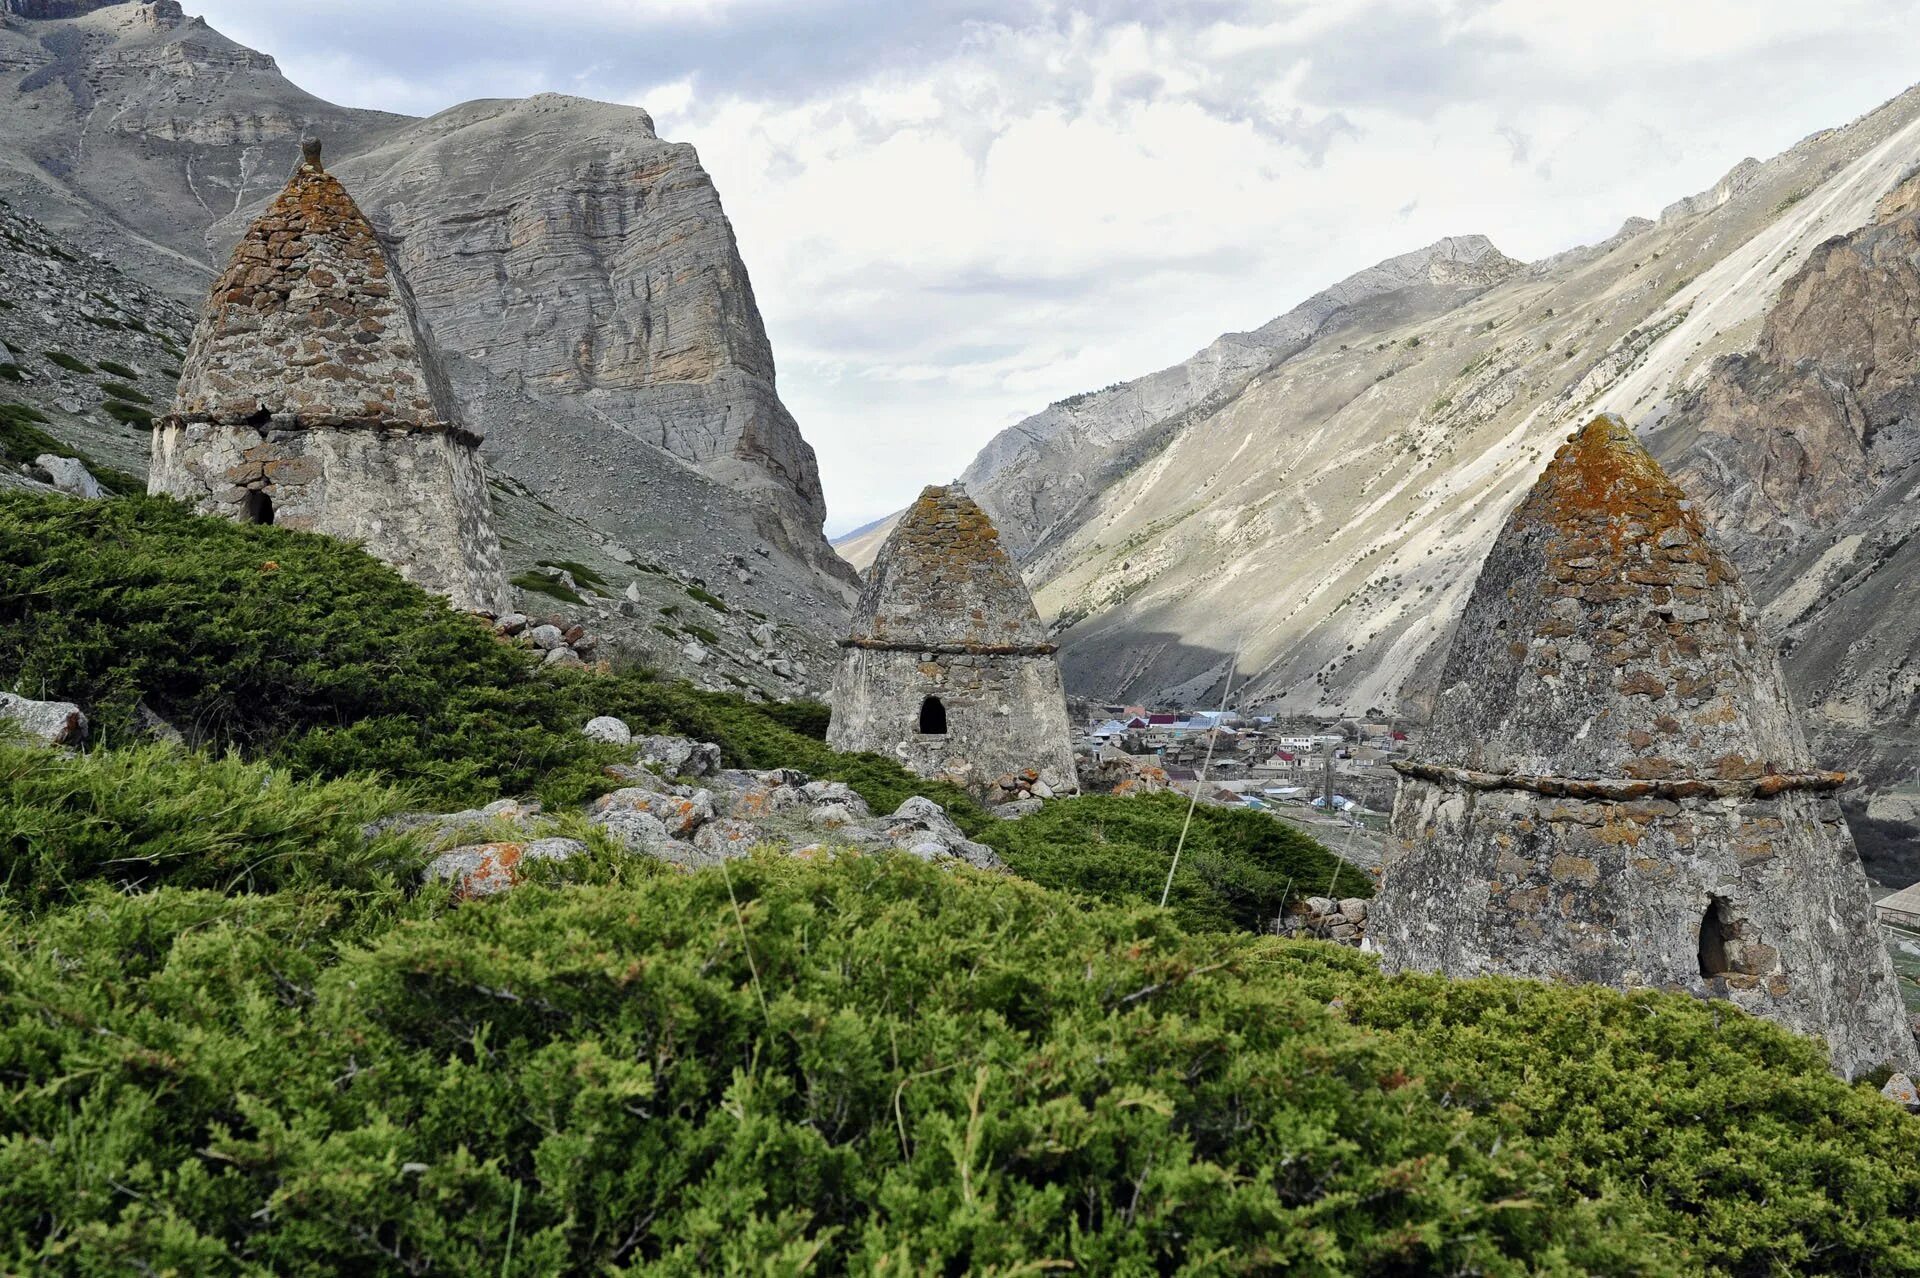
(956, 211)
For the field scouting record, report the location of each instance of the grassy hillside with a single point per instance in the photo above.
(237, 1037)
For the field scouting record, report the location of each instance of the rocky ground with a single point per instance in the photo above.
(93, 353)
(681, 807)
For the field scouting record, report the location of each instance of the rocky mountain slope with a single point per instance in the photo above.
(1805, 454)
(1315, 525)
(578, 271)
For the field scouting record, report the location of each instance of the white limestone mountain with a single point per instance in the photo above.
(1315, 521)
(577, 270)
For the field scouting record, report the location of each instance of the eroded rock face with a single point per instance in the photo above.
(567, 249)
(947, 667)
(309, 398)
(1804, 454)
(1614, 789)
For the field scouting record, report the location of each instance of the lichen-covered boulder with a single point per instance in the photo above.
(922, 827)
(678, 756)
(484, 869)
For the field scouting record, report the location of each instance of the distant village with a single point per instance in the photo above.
(1333, 768)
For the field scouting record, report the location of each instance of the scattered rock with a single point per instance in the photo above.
(154, 728)
(1019, 808)
(609, 729)
(484, 869)
(922, 827)
(679, 757)
(1320, 918)
(54, 723)
(566, 658)
(547, 637)
(438, 829)
(833, 815)
(69, 476)
(511, 624)
(728, 839)
(1901, 1091)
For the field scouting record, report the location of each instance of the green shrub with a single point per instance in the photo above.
(68, 362)
(581, 574)
(129, 414)
(540, 584)
(712, 601)
(121, 370)
(143, 816)
(1238, 870)
(12, 373)
(128, 393)
(305, 650)
(881, 1066)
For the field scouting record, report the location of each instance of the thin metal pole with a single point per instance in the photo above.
(1206, 764)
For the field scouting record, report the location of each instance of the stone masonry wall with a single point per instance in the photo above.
(1005, 715)
(417, 499)
(308, 324)
(1754, 900)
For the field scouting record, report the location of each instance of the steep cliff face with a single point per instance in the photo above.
(133, 128)
(571, 253)
(1804, 454)
(578, 272)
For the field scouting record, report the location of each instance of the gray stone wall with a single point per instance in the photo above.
(1006, 715)
(1620, 892)
(417, 499)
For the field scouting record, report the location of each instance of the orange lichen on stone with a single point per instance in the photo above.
(1600, 483)
(943, 579)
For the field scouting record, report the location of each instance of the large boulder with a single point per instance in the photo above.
(922, 827)
(54, 723)
(608, 729)
(69, 475)
(679, 757)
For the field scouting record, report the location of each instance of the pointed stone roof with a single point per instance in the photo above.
(309, 325)
(1608, 638)
(942, 581)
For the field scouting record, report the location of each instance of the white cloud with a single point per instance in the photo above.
(955, 211)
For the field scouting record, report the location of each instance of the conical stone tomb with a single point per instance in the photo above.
(309, 398)
(947, 667)
(1613, 787)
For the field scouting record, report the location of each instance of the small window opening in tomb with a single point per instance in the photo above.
(257, 508)
(1715, 930)
(933, 717)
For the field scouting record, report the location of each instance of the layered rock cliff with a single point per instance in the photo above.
(577, 270)
(1804, 453)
